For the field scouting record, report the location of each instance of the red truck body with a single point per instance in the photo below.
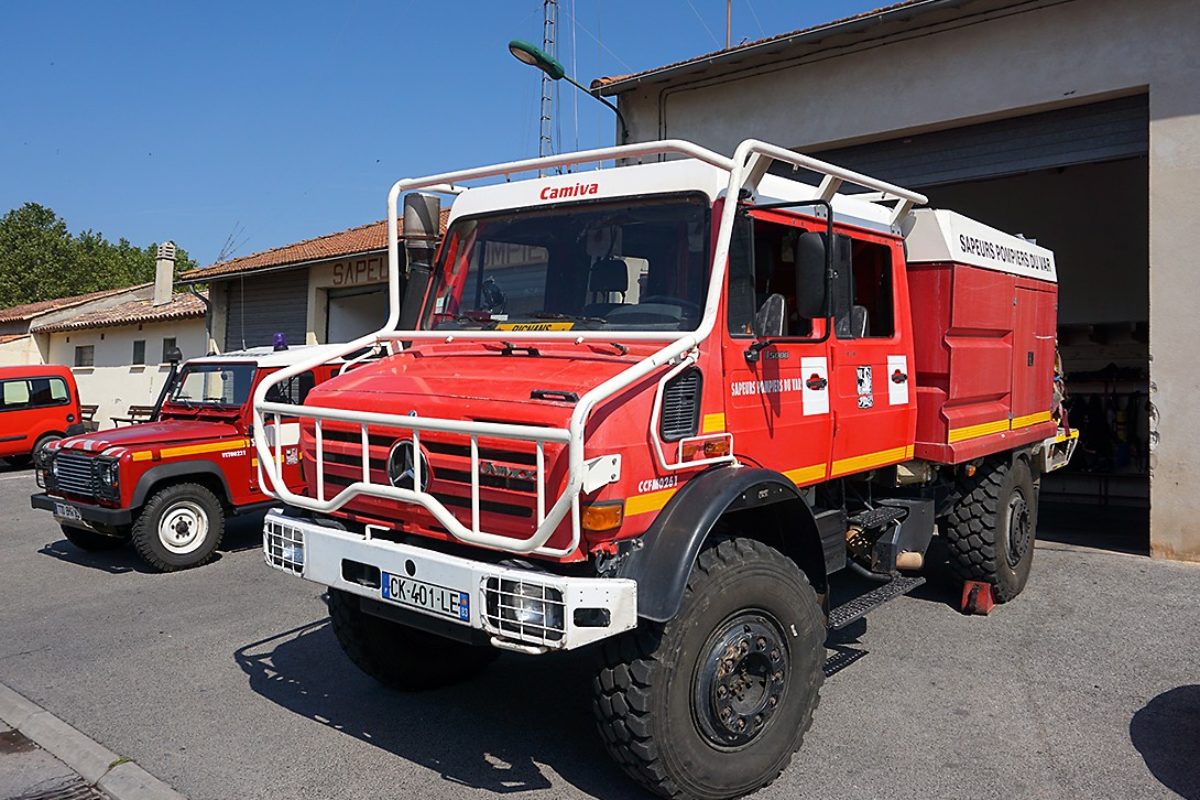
(635, 412)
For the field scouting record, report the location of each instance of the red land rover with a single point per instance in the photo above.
(168, 484)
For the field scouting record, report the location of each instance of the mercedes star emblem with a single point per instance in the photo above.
(401, 465)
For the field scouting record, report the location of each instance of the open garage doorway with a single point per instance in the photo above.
(1077, 181)
(351, 313)
(1095, 217)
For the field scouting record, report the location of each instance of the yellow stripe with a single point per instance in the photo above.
(192, 450)
(651, 501)
(713, 423)
(804, 475)
(869, 460)
(908, 451)
(975, 431)
(1030, 419)
(1062, 437)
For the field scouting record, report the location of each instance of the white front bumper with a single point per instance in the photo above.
(585, 610)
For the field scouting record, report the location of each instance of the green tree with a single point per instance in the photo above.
(41, 260)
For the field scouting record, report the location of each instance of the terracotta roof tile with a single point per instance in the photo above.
(182, 306)
(600, 83)
(363, 239)
(12, 337)
(31, 310)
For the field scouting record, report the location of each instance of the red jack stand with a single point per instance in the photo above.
(977, 598)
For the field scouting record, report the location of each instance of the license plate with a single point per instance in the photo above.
(65, 511)
(440, 600)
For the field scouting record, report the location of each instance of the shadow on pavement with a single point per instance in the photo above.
(491, 733)
(114, 562)
(1116, 528)
(1166, 732)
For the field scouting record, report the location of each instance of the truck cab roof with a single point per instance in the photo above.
(270, 357)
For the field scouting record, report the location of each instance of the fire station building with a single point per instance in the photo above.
(1072, 122)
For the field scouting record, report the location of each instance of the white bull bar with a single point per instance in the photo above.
(747, 167)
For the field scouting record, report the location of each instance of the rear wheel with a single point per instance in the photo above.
(42, 442)
(991, 530)
(91, 540)
(179, 527)
(398, 656)
(714, 703)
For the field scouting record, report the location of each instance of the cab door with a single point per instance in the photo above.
(874, 402)
(777, 397)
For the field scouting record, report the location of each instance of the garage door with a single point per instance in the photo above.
(262, 305)
(355, 312)
(1083, 134)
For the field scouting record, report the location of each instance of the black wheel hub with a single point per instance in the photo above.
(1020, 529)
(741, 680)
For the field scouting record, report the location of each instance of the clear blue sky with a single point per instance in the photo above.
(154, 120)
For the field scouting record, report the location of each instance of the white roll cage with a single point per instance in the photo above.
(749, 164)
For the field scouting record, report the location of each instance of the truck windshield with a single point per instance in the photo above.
(213, 385)
(624, 265)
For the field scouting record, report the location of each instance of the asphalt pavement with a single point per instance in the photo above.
(226, 682)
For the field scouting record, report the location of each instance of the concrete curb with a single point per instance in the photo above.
(120, 778)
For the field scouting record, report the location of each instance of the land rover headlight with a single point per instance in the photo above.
(108, 476)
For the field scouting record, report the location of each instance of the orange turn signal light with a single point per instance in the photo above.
(712, 448)
(604, 516)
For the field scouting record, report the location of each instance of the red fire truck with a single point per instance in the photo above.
(656, 409)
(168, 485)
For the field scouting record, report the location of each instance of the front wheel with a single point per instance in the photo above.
(398, 656)
(179, 527)
(714, 703)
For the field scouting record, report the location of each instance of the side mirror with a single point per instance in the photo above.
(810, 260)
(770, 317)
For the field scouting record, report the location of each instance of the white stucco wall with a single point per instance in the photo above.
(114, 383)
(992, 65)
(20, 351)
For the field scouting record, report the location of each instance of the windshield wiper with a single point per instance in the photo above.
(556, 315)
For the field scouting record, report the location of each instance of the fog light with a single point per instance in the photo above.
(530, 611)
(293, 554)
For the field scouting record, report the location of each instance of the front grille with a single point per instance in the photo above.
(681, 406)
(73, 473)
(507, 472)
(283, 546)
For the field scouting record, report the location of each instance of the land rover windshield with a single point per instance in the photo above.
(213, 385)
(632, 264)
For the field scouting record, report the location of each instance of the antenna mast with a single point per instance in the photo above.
(550, 45)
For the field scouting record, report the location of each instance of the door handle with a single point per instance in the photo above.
(816, 382)
(899, 377)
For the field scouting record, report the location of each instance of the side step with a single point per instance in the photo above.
(857, 608)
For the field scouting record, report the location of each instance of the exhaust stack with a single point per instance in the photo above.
(422, 228)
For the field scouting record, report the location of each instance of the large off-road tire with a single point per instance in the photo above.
(990, 531)
(179, 527)
(398, 656)
(91, 540)
(714, 703)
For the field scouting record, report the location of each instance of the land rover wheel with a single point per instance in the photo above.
(92, 540)
(179, 527)
(990, 531)
(398, 656)
(714, 703)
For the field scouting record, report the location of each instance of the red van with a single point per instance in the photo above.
(38, 404)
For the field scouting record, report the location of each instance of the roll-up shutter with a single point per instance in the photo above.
(1083, 134)
(262, 305)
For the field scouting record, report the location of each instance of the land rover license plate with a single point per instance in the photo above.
(440, 600)
(67, 511)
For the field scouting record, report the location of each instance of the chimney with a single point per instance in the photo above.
(164, 274)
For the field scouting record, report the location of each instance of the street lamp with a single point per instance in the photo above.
(535, 56)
